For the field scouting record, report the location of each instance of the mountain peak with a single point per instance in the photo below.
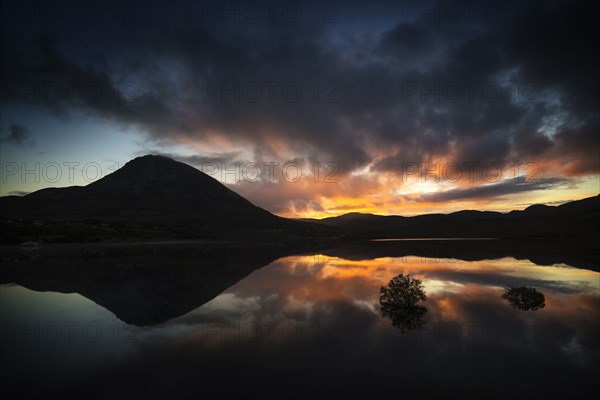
(157, 163)
(151, 158)
(151, 170)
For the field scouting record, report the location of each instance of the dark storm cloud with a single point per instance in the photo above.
(407, 39)
(579, 146)
(497, 189)
(557, 50)
(201, 162)
(479, 89)
(18, 135)
(48, 78)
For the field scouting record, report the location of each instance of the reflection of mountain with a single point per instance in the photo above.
(578, 218)
(398, 301)
(150, 197)
(524, 298)
(141, 284)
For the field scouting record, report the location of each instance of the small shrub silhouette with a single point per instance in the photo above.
(398, 301)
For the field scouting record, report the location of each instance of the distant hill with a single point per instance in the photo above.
(579, 218)
(150, 197)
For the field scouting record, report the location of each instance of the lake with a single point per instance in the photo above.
(354, 321)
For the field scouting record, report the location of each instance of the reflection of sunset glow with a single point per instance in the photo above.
(467, 294)
(382, 269)
(450, 284)
(300, 286)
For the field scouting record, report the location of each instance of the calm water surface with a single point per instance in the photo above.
(312, 326)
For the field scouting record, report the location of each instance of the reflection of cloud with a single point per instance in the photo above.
(447, 275)
(466, 328)
(298, 309)
(311, 281)
(230, 301)
(342, 337)
(578, 354)
(231, 304)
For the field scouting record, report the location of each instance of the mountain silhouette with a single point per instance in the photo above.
(154, 197)
(577, 219)
(159, 183)
(148, 184)
(150, 197)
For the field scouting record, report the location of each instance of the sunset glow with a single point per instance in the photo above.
(389, 115)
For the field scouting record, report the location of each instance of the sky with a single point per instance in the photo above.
(310, 109)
